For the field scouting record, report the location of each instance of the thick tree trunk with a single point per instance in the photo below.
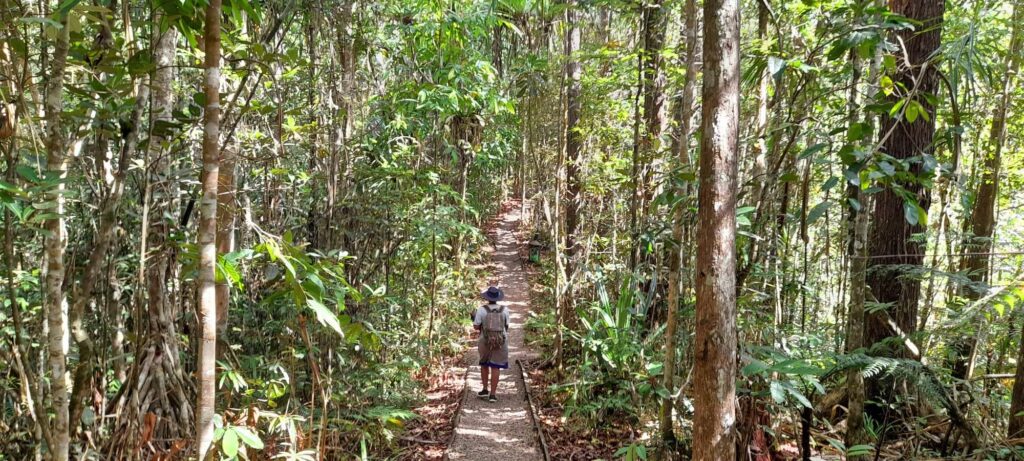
(715, 345)
(207, 236)
(983, 218)
(54, 302)
(1016, 428)
(891, 247)
(681, 147)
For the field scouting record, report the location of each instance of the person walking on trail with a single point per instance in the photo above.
(491, 320)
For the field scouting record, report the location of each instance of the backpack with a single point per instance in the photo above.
(494, 328)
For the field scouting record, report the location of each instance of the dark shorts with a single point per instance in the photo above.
(494, 365)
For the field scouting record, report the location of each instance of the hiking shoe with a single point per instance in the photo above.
(482, 394)
(493, 398)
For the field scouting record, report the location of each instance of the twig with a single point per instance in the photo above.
(421, 441)
(532, 409)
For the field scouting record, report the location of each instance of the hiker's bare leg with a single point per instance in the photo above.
(494, 380)
(483, 375)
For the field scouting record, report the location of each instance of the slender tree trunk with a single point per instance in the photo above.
(681, 146)
(82, 294)
(652, 91)
(558, 232)
(761, 146)
(225, 236)
(855, 431)
(1016, 427)
(157, 350)
(207, 235)
(715, 345)
(655, 24)
(857, 236)
(55, 306)
(573, 164)
(891, 247)
(983, 218)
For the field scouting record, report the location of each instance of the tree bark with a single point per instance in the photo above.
(652, 84)
(157, 350)
(681, 146)
(891, 248)
(54, 302)
(855, 430)
(225, 237)
(1016, 426)
(82, 293)
(573, 164)
(856, 250)
(761, 145)
(983, 217)
(207, 236)
(715, 344)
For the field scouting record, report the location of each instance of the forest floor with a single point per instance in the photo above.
(503, 429)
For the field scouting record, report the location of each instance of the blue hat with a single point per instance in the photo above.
(493, 294)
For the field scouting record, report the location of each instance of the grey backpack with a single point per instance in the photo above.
(494, 327)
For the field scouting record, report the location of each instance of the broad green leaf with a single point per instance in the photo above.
(813, 150)
(912, 111)
(860, 450)
(230, 442)
(817, 212)
(249, 438)
(799, 396)
(754, 368)
(324, 315)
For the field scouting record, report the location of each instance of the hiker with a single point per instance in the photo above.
(491, 320)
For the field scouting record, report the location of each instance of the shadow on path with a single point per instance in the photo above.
(501, 430)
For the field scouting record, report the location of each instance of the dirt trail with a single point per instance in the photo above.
(501, 430)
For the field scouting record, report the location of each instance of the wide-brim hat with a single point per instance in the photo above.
(493, 294)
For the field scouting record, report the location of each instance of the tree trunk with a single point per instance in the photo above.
(207, 236)
(158, 349)
(1016, 427)
(108, 220)
(857, 235)
(54, 302)
(715, 345)
(979, 243)
(855, 431)
(891, 249)
(652, 85)
(761, 146)
(225, 237)
(573, 164)
(681, 146)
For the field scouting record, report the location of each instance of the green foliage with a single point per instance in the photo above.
(613, 375)
(632, 452)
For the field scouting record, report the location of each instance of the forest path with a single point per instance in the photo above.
(502, 430)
